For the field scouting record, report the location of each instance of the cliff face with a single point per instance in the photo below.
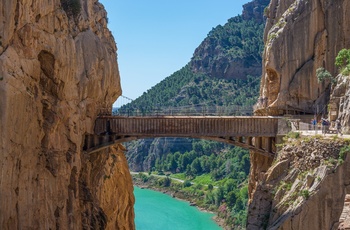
(300, 37)
(254, 10)
(340, 101)
(306, 185)
(305, 188)
(230, 57)
(57, 70)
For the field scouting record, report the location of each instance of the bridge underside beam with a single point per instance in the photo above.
(188, 126)
(254, 133)
(261, 145)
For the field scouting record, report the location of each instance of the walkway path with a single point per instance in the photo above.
(319, 132)
(161, 176)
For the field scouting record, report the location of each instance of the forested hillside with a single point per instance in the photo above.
(185, 92)
(194, 89)
(222, 78)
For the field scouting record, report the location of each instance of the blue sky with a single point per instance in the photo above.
(155, 38)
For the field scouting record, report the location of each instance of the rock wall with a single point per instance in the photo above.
(58, 69)
(300, 37)
(254, 10)
(305, 187)
(341, 102)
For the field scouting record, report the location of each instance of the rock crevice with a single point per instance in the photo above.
(300, 37)
(308, 174)
(57, 70)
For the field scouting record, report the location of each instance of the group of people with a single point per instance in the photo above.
(326, 124)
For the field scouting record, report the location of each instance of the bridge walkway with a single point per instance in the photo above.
(257, 133)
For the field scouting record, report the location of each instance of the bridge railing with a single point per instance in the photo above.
(186, 111)
(187, 126)
(313, 129)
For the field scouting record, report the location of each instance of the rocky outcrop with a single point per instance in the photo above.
(304, 188)
(224, 54)
(340, 102)
(254, 10)
(57, 70)
(300, 37)
(142, 154)
(106, 190)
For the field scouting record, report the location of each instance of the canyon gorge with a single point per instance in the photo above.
(300, 37)
(59, 70)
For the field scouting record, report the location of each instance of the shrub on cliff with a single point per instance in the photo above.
(342, 61)
(322, 74)
(72, 7)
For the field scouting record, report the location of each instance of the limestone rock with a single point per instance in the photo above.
(254, 10)
(57, 70)
(307, 194)
(340, 98)
(300, 37)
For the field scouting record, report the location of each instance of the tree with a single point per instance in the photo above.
(342, 61)
(188, 171)
(230, 185)
(322, 74)
(171, 163)
(239, 203)
(184, 161)
(158, 165)
(196, 167)
(166, 182)
(231, 198)
(210, 198)
(205, 164)
(186, 184)
(219, 195)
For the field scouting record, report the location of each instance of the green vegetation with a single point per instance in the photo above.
(322, 75)
(291, 137)
(342, 61)
(187, 183)
(272, 36)
(238, 38)
(305, 193)
(187, 92)
(214, 174)
(284, 186)
(294, 135)
(267, 11)
(72, 7)
(342, 154)
(207, 157)
(228, 198)
(186, 89)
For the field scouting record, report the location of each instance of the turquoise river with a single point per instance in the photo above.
(158, 211)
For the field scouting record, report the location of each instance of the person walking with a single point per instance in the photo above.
(325, 124)
(314, 123)
(338, 125)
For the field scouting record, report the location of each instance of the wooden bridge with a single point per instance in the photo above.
(250, 132)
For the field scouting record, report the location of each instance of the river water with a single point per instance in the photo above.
(158, 211)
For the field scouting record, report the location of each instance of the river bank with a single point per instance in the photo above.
(158, 211)
(175, 192)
